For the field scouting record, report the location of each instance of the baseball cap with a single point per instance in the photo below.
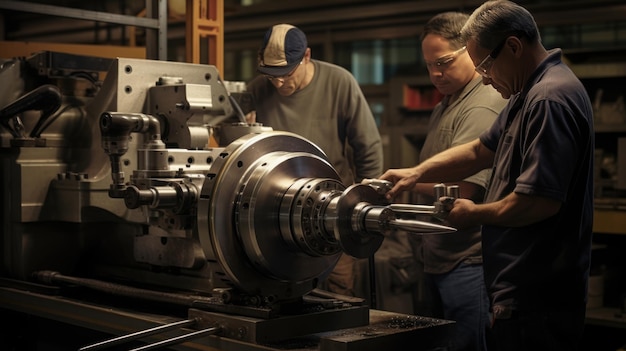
(283, 48)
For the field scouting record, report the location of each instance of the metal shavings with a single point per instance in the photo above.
(406, 322)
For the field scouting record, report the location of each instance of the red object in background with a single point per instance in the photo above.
(420, 99)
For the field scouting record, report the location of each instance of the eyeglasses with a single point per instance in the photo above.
(486, 64)
(444, 62)
(282, 79)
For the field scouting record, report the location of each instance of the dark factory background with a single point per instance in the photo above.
(378, 41)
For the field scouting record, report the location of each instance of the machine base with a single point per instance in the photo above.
(385, 330)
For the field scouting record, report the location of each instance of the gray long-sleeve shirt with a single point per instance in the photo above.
(332, 112)
(473, 111)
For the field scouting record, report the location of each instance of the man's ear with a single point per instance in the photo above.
(515, 45)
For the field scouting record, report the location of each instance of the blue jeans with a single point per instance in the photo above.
(464, 300)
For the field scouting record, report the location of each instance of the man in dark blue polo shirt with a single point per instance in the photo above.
(538, 211)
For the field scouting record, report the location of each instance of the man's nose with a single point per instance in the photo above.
(435, 72)
(278, 82)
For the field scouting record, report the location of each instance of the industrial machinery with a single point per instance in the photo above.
(143, 206)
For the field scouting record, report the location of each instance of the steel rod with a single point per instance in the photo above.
(138, 335)
(179, 339)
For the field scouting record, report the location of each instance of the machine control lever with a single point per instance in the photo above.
(46, 98)
(444, 198)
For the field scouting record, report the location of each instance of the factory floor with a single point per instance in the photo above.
(29, 333)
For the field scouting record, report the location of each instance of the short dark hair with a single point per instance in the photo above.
(496, 20)
(447, 25)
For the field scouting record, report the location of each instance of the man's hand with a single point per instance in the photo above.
(404, 179)
(460, 216)
(251, 117)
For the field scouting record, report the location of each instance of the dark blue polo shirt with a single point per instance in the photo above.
(544, 145)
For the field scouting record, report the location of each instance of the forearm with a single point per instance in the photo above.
(453, 164)
(515, 210)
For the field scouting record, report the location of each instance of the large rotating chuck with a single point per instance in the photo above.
(276, 206)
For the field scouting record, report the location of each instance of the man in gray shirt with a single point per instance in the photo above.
(323, 103)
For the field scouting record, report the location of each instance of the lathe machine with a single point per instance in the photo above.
(137, 202)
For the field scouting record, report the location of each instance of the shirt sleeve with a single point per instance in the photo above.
(363, 135)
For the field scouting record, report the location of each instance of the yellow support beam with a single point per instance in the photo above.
(205, 21)
(10, 49)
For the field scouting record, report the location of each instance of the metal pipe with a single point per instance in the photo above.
(123, 290)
